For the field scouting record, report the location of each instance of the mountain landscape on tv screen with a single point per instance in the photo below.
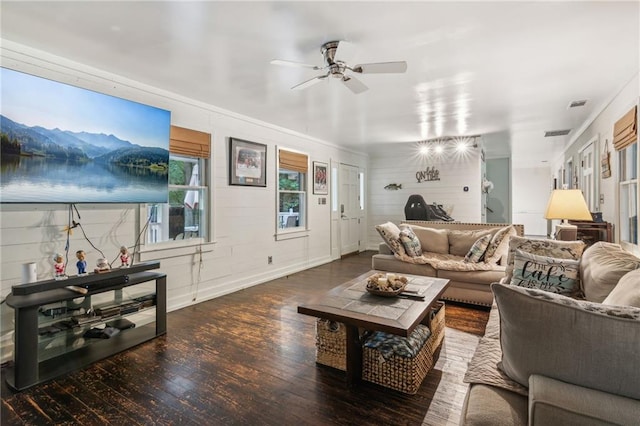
(81, 146)
(54, 165)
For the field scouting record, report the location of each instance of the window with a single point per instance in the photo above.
(186, 214)
(625, 136)
(628, 172)
(292, 190)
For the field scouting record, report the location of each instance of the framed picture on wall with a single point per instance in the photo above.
(320, 178)
(247, 163)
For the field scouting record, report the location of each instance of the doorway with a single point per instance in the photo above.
(347, 209)
(588, 181)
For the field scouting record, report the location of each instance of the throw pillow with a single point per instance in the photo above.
(478, 249)
(626, 292)
(575, 341)
(552, 248)
(390, 233)
(603, 264)
(410, 242)
(499, 245)
(461, 241)
(432, 240)
(546, 273)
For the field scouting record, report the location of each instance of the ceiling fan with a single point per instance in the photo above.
(335, 54)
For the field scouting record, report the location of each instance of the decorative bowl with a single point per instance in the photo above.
(386, 285)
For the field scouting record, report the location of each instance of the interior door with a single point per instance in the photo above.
(349, 209)
(335, 210)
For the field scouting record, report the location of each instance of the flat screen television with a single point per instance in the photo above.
(65, 144)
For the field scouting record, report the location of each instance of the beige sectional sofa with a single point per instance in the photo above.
(449, 242)
(550, 359)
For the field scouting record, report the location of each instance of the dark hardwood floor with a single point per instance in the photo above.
(248, 358)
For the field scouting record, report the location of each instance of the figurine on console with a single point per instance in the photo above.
(102, 266)
(124, 257)
(58, 267)
(81, 264)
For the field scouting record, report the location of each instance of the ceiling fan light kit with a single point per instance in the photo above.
(335, 54)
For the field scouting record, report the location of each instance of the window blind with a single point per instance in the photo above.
(189, 142)
(625, 131)
(293, 161)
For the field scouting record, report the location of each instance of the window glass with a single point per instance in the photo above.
(184, 216)
(291, 199)
(628, 190)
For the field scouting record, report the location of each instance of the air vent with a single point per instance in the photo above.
(576, 104)
(551, 133)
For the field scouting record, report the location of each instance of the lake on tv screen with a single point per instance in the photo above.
(49, 180)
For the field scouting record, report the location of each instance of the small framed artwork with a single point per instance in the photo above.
(320, 178)
(247, 163)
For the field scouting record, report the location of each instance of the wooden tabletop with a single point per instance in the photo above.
(350, 303)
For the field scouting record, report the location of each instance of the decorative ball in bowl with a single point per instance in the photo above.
(388, 285)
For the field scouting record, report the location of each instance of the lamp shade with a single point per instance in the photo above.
(567, 204)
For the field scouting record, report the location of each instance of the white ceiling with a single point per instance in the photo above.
(507, 70)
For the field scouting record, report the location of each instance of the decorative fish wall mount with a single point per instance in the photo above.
(393, 186)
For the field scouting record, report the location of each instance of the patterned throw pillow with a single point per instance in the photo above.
(478, 249)
(559, 276)
(410, 242)
(390, 233)
(552, 248)
(499, 245)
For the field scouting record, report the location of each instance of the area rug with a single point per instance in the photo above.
(447, 375)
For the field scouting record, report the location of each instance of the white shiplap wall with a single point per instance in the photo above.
(398, 163)
(243, 219)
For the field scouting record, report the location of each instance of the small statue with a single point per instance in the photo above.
(58, 267)
(81, 263)
(102, 265)
(124, 257)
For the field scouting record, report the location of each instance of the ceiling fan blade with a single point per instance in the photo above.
(353, 84)
(294, 64)
(381, 68)
(345, 51)
(309, 83)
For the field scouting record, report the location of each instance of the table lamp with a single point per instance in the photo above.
(567, 204)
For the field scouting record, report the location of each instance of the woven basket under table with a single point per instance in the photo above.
(402, 373)
(331, 344)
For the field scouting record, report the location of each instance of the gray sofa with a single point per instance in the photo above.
(548, 359)
(465, 286)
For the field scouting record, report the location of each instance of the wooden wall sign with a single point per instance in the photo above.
(430, 174)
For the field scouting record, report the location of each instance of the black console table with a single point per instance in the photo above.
(50, 325)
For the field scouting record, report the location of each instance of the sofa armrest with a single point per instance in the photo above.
(554, 402)
(383, 248)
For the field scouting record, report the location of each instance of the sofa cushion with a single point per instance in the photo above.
(499, 245)
(491, 406)
(602, 266)
(546, 273)
(390, 233)
(475, 277)
(592, 344)
(543, 247)
(552, 402)
(626, 292)
(432, 240)
(410, 242)
(389, 263)
(477, 250)
(461, 241)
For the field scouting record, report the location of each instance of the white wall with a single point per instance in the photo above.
(398, 163)
(244, 218)
(601, 126)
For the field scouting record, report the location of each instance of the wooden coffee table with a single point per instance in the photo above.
(352, 305)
